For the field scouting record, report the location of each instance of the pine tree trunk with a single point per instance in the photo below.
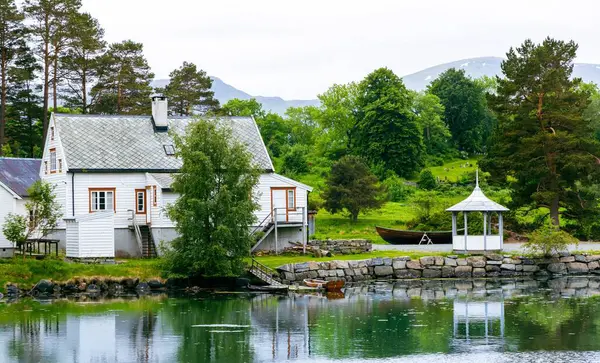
(46, 76)
(84, 92)
(554, 214)
(55, 77)
(3, 101)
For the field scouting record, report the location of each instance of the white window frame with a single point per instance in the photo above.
(291, 204)
(53, 163)
(96, 196)
(141, 192)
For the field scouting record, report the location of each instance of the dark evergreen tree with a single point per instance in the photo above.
(124, 78)
(80, 62)
(12, 38)
(543, 141)
(351, 186)
(25, 113)
(189, 91)
(465, 109)
(387, 131)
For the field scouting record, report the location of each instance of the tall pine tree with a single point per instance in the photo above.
(49, 19)
(12, 39)
(124, 78)
(80, 62)
(387, 132)
(189, 91)
(542, 139)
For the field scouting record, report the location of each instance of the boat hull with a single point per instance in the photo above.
(400, 237)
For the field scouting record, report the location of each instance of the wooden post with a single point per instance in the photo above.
(485, 234)
(275, 215)
(454, 229)
(501, 230)
(304, 238)
(466, 237)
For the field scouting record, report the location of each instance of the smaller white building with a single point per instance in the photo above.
(16, 176)
(478, 202)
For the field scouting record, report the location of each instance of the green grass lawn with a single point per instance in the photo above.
(27, 272)
(453, 170)
(276, 261)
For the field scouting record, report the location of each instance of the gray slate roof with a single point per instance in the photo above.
(163, 179)
(109, 142)
(19, 174)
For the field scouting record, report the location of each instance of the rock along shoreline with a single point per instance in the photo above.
(434, 267)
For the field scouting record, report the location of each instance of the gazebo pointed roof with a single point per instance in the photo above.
(477, 202)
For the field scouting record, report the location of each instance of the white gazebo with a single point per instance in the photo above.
(478, 202)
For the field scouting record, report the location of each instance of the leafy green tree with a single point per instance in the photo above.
(275, 131)
(351, 186)
(237, 107)
(549, 239)
(12, 38)
(387, 131)
(303, 124)
(426, 180)
(215, 208)
(124, 78)
(337, 118)
(543, 141)
(80, 61)
(430, 116)
(294, 161)
(43, 214)
(189, 90)
(464, 109)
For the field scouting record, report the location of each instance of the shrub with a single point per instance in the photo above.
(426, 180)
(548, 240)
(398, 190)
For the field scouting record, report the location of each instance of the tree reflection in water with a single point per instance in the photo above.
(372, 321)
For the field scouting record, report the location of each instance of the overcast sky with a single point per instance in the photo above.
(297, 49)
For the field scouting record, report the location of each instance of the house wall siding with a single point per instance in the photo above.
(8, 205)
(59, 178)
(268, 181)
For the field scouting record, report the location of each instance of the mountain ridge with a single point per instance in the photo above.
(474, 67)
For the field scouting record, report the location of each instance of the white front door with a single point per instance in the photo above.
(279, 204)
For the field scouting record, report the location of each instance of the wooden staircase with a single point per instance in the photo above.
(267, 229)
(264, 273)
(148, 247)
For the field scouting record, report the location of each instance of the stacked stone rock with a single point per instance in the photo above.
(490, 265)
(342, 246)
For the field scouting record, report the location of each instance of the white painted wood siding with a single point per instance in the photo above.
(8, 204)
(59, 179)
(72, 236)
(268, 181)
(95, 236)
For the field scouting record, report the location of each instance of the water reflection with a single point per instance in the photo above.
(404, 319)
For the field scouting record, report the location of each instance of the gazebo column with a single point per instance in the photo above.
(501, 229)
(466, 233)
(454, 229)
(485, 232)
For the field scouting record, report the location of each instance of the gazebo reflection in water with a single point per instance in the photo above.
(478, 320)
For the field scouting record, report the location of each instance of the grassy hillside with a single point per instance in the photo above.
(392, 214)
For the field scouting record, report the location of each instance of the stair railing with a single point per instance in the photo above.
(263, 272)
(137, 231)
(262, 224)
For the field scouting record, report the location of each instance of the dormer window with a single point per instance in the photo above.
(52, 161)
(169, 149)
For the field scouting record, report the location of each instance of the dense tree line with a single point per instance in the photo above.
(53, 58)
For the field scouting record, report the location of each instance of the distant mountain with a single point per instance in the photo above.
(225, 92)
(487, 66)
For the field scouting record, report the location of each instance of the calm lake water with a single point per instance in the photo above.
(414, 321)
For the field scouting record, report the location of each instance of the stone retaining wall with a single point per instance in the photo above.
(342, 246)
(490, 265)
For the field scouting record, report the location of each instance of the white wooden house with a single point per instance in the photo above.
(16, 176)
(125, 164)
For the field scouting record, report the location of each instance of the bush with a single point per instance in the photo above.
(548, 240)
(398, 190)
(426, 180)
(294, 161)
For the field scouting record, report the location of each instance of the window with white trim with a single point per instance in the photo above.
(53, 160)
(140, 198)
(102, 200)
(291, 199)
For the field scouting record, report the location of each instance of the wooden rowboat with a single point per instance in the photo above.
(315, 283)
(333, 286)
(401, 237)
